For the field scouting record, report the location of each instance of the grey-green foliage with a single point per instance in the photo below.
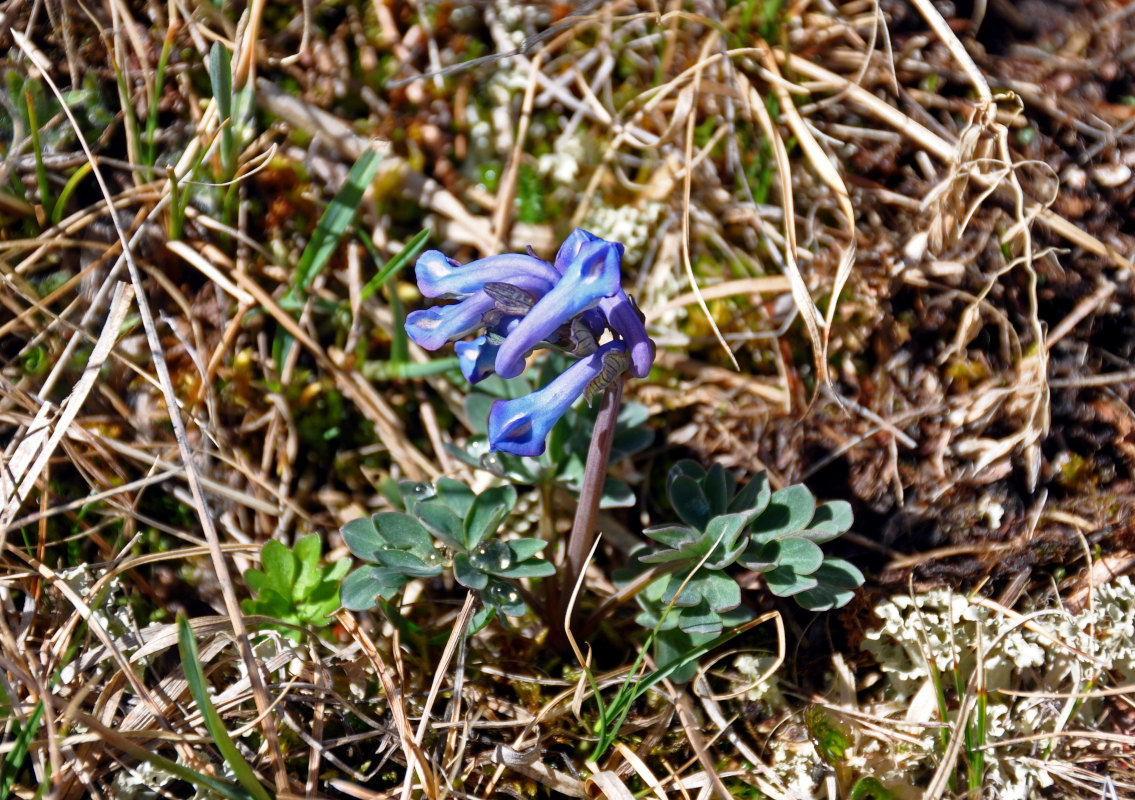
(446, 526)
(776, 533)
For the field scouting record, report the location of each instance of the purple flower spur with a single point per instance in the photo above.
(516, 303)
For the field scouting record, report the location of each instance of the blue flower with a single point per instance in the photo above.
(434, 328)
(515, 303)
(477, 357)
(619, 312)
(439, 276)
(521, 425)
(594, 273)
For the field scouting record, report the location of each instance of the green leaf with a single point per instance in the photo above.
(280, 567)
(728, 528)
(221, 79)
(362, 589)
(753, 496)
(443, 522)
(616, 493)
(720, 591)
(362, 538)
(335, 219)
(803, 556)
(457, 495)
(468, 576)
(831, 519)
(307, 551)
(688, 500)
(257, 581)
(690, 594)
(488, 512)
(689, 468)
(524, 549)
(700, 619)
(829, 736)
(334, 573)
(411, 492)
(270, 603)
(403, 532)
(719, 486)
(674, 536)
(789, 510)
(408, 563)
(191, 665)
(533, 568)
(784, 582)
(477, 408)
(396, 264)
(839, 573)
(506, 598)
(14, 759)
(837, 582)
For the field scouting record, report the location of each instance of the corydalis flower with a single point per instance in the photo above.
(520, 426)
(518, 303)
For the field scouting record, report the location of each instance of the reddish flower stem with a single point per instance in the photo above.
(594, 476)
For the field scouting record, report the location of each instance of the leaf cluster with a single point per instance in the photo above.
(292, 587)
(446, 526)
(692, 598)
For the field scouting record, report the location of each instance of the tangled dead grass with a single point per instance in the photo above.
(168, 404)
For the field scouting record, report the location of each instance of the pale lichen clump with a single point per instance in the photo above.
(1050, 652)
(633, 225)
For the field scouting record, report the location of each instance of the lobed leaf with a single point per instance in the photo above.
(689, 500)
(754, 495)
(362, 589)
(784, 582)
(467, 575)
(307, 551)
(488, 511)
(802, 555)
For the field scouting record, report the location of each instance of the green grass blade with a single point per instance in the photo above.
(406, 370)
(14, 760)
(40, 169)
(159, 86)
(69, 189)
(335, 220)
(191, 664)
(395, 265)
(221, 78)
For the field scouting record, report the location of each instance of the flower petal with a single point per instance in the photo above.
(476, 358)
(624, 319)
(570, 247)
(594, 273)
(434, 328)
(439, 276)
(520, 426)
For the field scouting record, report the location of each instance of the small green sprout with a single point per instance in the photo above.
(292, 587)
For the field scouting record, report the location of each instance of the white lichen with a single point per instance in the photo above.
(633, 225)
(1043, 652)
